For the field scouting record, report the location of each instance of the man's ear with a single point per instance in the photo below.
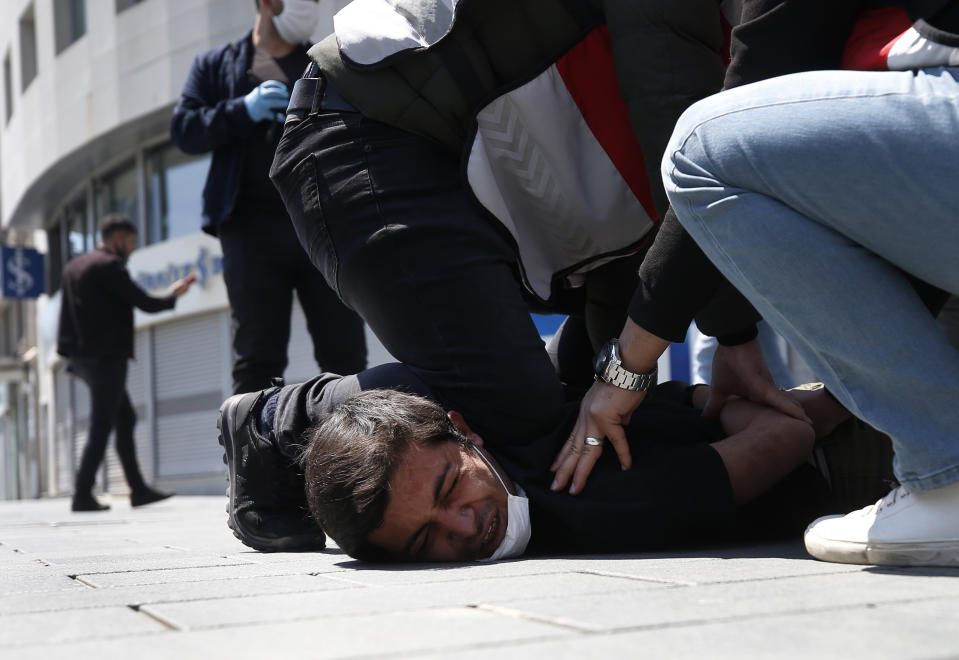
(459, 422)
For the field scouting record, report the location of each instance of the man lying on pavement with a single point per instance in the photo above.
(392, 476)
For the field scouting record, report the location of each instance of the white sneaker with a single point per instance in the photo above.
(901, 529)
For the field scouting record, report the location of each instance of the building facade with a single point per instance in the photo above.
(88, 89)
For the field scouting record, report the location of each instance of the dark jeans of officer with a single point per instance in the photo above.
(263, 264)
(110, 409)
(384, 215)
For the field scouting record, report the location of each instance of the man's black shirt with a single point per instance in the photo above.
(96, 311)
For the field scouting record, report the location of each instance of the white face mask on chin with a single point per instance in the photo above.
(297, 20)
(518, 528)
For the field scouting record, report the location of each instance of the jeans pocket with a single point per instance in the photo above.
(305, 205)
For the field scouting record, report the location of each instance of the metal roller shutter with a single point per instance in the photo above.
(81, 421)
(189, 362)
(63, 429)
(302, 366)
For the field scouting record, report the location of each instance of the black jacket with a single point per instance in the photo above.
(96, 309)
(677, 492)
(211, 116)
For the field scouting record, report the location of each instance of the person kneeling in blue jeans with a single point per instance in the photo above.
(817, 195)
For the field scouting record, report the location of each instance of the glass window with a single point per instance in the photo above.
(77, 229)
(28, 48)
(116, 192)
(70, 22)
(54, 256)
(126, 4)
(7, 86)
(174, 192)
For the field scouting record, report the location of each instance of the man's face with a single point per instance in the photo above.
(445, 504)
(122, 244)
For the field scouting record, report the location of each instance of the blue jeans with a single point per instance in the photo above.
(813, 194)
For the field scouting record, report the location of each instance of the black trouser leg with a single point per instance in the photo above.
(126, 420)
(107, 381)
(261, 298)
(262, 264)
(385, 217)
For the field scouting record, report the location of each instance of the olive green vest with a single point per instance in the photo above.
(494, 46)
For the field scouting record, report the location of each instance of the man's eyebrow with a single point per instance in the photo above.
(437, 491)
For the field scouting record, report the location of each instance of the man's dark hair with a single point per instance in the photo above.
(115, 222)
(353, 455)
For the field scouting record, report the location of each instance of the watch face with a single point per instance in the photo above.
(600, 363)
(599, 367)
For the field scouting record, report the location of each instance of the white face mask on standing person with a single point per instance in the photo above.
(297, 20)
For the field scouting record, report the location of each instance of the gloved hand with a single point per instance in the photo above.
(268, 101)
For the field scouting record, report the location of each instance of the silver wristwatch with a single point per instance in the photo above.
(609, 369)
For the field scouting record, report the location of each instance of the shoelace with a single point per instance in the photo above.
(890, 500)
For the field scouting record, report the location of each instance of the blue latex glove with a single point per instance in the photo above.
(268, 101)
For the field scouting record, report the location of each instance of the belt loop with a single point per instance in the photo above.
(318, 93)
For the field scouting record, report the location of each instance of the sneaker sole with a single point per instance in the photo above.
(933, 553)
(245, 536)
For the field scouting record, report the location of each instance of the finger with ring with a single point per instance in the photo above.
(592, 442)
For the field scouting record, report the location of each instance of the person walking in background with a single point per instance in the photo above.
(96, 334)
(233, 104)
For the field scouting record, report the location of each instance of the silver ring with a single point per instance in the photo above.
(592, 442)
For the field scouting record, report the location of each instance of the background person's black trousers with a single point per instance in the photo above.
(263, 264)
(110, 409)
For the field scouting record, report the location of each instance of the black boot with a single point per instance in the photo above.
(856, 460)
(267, 507)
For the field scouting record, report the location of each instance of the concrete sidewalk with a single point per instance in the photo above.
(170, 581)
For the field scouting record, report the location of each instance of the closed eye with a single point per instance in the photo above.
(445, 501)
(449, 493)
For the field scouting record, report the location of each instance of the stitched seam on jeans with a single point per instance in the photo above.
(737, 111)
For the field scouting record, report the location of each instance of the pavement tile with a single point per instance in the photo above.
(392, 635)
(396, 574)
(87, 597)
(171, 581)
(120, 552)
(33, 581)
(888, 631)
(736, 600)
(150, 562)
(74, 625)
(709, 570)
(371, 600)
(195, 573)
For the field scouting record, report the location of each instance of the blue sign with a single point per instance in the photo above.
(21, 271)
